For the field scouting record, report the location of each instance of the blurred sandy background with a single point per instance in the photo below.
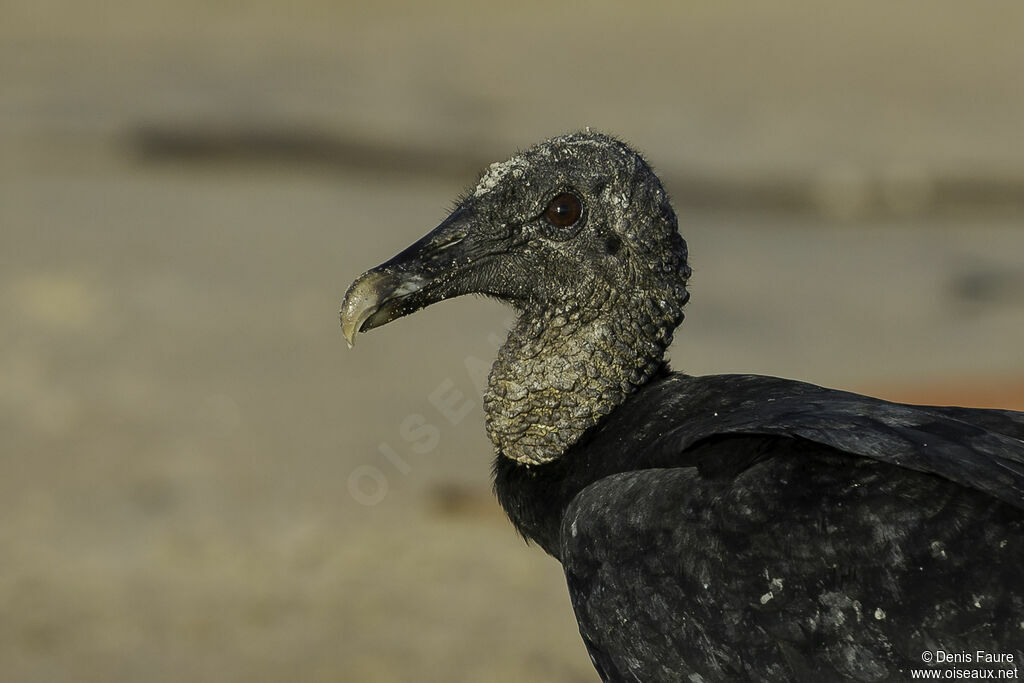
(200, 482)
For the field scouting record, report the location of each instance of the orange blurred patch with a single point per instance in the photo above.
(969, 391)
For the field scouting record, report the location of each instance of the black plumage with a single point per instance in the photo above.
(726, 527)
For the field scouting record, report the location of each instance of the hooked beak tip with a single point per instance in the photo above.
(349, 328)
(362, 300)
(350, 336)
(375, 299)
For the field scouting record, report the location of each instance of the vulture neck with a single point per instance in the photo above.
(561, 371)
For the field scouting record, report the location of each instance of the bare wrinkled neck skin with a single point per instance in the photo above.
(562, 370)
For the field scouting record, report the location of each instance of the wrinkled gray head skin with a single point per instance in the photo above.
(598, 298)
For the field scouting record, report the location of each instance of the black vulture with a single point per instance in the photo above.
(711, 528)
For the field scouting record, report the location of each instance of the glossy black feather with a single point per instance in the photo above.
(751, 528)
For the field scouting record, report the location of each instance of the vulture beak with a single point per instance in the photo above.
(429, 271)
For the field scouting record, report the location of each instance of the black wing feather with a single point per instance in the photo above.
(979, 448)
(764, 529)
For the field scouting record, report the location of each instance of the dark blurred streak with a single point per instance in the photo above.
(980, 192)
(989, 286)
(702, 192)
(862, 196)
(252, 146)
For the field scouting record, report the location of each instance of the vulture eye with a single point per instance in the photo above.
(564, 210)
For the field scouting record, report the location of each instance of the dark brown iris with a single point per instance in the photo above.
(564, 210)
